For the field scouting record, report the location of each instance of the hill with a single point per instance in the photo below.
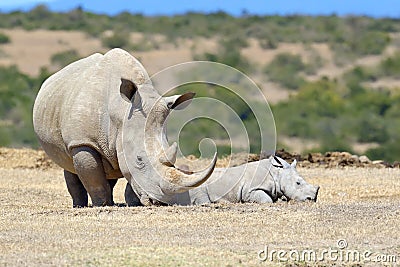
(321, 74)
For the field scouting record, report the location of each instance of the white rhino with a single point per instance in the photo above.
(263, 181)
(79, 114)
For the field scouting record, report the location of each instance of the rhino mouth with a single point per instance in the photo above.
(314, 198)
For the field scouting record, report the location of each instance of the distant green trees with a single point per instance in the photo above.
(229, 53)
(64, 58)
(348, 36)
(17, 94)
(118, 39)
(285, 69)
(200, 128)
(337, 116)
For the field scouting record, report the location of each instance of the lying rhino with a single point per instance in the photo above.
(79, 114)
(264, 181)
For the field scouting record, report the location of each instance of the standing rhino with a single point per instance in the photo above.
(100, 119)
(263, 181)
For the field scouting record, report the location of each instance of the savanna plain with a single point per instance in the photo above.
(39, 227)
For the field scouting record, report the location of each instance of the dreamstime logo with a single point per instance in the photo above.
(249, 128)
(340, 253)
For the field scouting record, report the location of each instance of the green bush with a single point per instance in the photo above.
(117, 40)
(4, 39)
(147, 43)
(388, 151)
(390, 67)
(64, 58)
(229, 54)
(285, 69)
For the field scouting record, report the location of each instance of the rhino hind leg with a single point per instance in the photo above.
(259, 196)
(89, 167)
(76, 190)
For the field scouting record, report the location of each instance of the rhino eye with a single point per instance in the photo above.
(298, 183)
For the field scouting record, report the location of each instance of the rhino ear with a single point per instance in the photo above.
(281, 162)
(276, 163)
(127, 90)
(294, 163)
(179, 102)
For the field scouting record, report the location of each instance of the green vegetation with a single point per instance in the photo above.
(337, 118)
(197, 129)
(4, 39)
(116, 39)
(64, 58)
(334, 112)
(229, 54)
(17, 93)
(350, 36)
(285, 69)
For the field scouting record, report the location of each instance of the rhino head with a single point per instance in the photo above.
(290, 184)
(145, 157)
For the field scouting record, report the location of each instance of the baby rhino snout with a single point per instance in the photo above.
(314, 198)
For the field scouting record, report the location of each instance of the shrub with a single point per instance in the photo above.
(388, 151)
(117, 40)
(285, 69)
(64, 58)
(229, 54)
(390, 67)
(4, 39)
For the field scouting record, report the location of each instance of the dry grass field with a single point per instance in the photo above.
(38, 226)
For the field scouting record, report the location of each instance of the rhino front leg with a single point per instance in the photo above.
(131, 198)
(112, 183)
(76, 190)
(259, 196)
(89, 167)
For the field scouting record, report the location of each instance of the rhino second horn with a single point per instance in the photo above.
(168, 158)
(179, 181)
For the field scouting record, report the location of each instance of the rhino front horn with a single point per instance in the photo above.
(178, 181)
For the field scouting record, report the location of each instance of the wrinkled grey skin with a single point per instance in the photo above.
(264, 181)
(79, 115)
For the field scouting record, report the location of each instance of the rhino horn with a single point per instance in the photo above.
(178, 181)
(168, 158)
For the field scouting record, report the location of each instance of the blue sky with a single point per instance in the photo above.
(376, 8)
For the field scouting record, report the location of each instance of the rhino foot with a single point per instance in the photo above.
(76, 190)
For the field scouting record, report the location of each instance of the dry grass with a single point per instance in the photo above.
(38, 226)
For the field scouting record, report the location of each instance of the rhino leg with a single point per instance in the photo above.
(259, 196)
(76, 190)
(89, 167)
(131, 198)
(112, 183)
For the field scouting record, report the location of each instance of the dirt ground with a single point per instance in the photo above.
(38, 227)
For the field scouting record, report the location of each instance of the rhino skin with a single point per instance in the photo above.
(263, 181)
(78, 117)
